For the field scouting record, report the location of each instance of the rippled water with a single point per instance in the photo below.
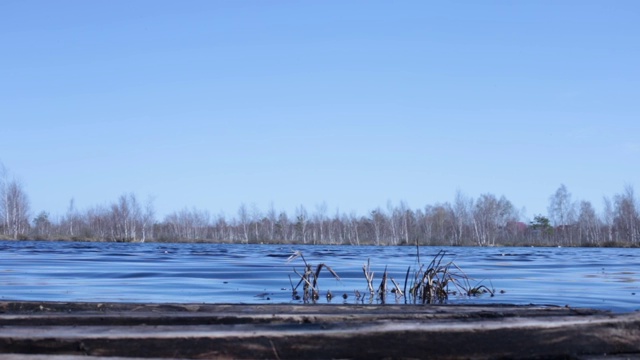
(214, 273)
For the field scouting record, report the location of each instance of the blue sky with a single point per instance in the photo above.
(210, 104)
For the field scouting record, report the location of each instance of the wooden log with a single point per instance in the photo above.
(207, 331)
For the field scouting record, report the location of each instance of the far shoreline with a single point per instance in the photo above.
(618, 245)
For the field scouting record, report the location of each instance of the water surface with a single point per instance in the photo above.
(222, 273)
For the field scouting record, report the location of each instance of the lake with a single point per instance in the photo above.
(602, 278)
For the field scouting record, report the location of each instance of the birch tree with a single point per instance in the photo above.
(256, 222)
(588, 224)
(283, 227)
(335, 229)
(14, 208)
(125, 218)
(243, 217)
(394, 224)
(351, 229)
(148, 220)
(99, 222)
(378, 220)
(562, 213)
(272, 219)
(461, 214)
(491, 216)
(71, 219)
(607, 218)
(627, 220)
(4, 213)
(301, 223)
(405, 219)
(221, 228)
(320, 218)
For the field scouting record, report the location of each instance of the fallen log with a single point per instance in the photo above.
(282, 331)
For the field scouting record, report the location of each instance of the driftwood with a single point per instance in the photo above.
(52, 329)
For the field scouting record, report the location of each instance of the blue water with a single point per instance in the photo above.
(214, 273)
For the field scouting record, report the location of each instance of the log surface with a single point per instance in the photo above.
(53, 329)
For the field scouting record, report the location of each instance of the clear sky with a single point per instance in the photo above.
(210, 104)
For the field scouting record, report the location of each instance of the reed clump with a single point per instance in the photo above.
(309, 280)
(439, 279)
(431, 283)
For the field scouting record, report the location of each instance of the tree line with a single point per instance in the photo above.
(485, 221)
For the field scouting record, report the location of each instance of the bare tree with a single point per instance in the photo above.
(271, 222)
(148, 220)
(490, 217)
(319, 219)
(222, 230)
(395, 222)
(562, 213)
(15, 208)
(405, 216)
(283, 227)
(426, 226)
(125, 218)
(437, 222)
(256, 223)
(378, 220)
(4, 201)
(99, 222)
(626, 219)
(484, 215)
(461, 213)
(588, 224)
(243, 217)
(351, 233)
(302, 223)
(71, 218)
(336, 229)
(607, 218)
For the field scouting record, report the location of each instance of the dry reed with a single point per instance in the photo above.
(309, 279)
(430, 284)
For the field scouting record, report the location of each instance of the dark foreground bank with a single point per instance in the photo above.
(307, 331)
